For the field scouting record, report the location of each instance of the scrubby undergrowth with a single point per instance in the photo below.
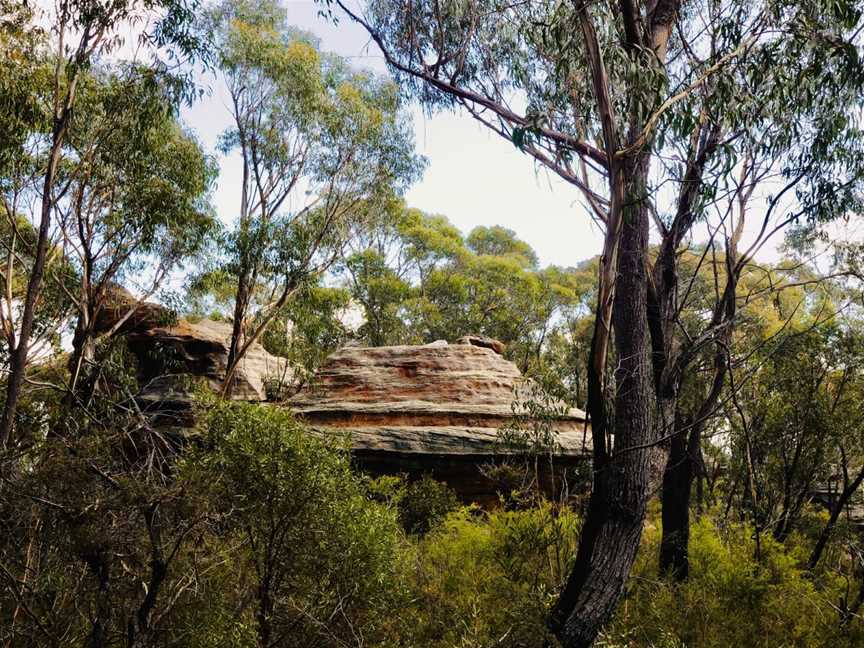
(259, 534)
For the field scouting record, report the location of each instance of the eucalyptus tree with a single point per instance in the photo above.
(780, 428)
(320, 145)
(133, 201)
(500, 241)
(81, 31)
(845, 388)
(671, 120)
(793, 418)
(19, 109)
(418, 279)
(21, 114)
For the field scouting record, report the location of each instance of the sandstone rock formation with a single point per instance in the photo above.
(482, 341)
(169, 352)
(136, 315)
(199, 349)
(434, 409)
(426, 409)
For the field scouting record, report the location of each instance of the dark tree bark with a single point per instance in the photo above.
(62, 119)
(839, 506)
(99, 565)
(623, 478)
(685, 463)
(139, 628)
(240, 306)
(849, 612)
(18, 360)
(676, 493)
(700, 482)
(791, 513)
(685, 456)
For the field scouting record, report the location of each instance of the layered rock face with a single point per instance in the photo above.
(169, 353)
(432, 409)
(199, 349)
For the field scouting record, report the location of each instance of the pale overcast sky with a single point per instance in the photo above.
(473, 177)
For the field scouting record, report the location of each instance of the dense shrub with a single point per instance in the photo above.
(315, 560)
(425, 504)
(421, 504)
(731, 598)
(268, 537)
(488, 579)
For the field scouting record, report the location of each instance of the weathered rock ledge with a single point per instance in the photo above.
(200, 349)
(427, 409)
(460, 389)
(169, 352)
(434, 409)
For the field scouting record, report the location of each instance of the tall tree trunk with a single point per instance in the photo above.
(685, 454)
(791, 513)
(700, 481)
(683, 466)
(138, 628)
(18, 360)
(100, 568)
(677, 486)
(264, 615)
(240, 305)
(245, 284)
(83, 355)
(622, 481)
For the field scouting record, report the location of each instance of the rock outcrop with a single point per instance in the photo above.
(167, 354)
(170, 352)
(436, 409)
(482, 341)
(427, 409)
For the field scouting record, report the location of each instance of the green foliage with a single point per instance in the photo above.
(140, 182)
(418, 280)
(422, 504)
(768, 72)
(499, 241)
(322, 148)
(731, 599)
(799, 386)
(92, 523)
(262, 527)
(20, 109)
(528, 474)
(319, 558)
(334, 140)
(308, 329)
(251, 530)
(382, 295)
(53, 311)
(487, 579)
(94, 161)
